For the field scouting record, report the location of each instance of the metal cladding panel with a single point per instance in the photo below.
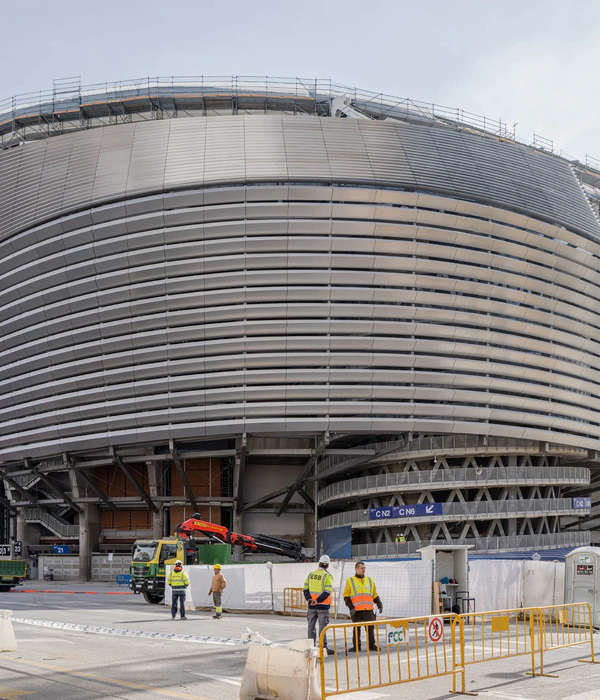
(72, 171)
(130, 313)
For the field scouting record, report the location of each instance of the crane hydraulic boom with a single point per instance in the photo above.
(257, 543)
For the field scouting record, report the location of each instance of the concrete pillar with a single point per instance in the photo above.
(89, 537)
(158, 519)
(27, 533)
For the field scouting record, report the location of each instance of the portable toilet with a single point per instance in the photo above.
(582, 580)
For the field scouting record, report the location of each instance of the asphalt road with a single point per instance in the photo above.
(64, 664)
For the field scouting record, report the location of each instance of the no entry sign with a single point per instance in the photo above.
(435, 629)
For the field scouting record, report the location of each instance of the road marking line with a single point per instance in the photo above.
(13, 694)
(35, 590)
(140, 634)
(504, 696)
(217, 678)
(112, 681)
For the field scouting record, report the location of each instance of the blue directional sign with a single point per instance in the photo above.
(582, 502)
(61, 549)
(416, 511)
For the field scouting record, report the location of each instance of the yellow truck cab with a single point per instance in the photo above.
(148, 566)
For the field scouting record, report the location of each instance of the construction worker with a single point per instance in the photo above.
(360, 595)
(400, 538)
(179, 581)
(217, 586)
(317, 591)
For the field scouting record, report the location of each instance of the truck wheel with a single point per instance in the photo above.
(5, 589)
(154, 598)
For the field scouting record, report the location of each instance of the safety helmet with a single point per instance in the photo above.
(217, 566)
(325, 560)
(179, 563)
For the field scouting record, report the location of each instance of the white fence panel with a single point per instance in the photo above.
(543, 583)
(405, 587)
(496, 584)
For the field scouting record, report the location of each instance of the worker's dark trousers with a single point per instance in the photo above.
(364, 616)
(178, 596)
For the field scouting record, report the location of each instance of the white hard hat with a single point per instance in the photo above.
(325, 560)
(179, 562)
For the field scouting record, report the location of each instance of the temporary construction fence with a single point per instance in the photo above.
(421, 648)
(294, 601)
(405, 587)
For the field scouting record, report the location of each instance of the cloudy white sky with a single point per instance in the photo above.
(531, 62)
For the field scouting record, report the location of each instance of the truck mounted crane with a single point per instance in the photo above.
(151, 557)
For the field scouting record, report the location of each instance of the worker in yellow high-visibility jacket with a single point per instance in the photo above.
(179, 581)
(360, 595)
(317, 591)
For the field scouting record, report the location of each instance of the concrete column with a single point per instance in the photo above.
(89, 537)
(158, 519)
(27, 533)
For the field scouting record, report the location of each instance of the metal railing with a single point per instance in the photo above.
(37, 515)
(161, 96)
(449, 445)
(479, 544)
(474, 510)
(468, 477)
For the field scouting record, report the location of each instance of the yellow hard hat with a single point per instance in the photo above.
(217, 566)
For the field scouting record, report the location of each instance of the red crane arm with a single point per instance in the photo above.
(194, 526)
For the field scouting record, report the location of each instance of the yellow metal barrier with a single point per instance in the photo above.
(564, 626)
(501, 634)
(406, 650)
(294, 601)
(419, 648)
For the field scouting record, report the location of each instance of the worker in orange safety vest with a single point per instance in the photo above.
(360, 595)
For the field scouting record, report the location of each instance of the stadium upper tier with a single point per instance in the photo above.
(289, 272)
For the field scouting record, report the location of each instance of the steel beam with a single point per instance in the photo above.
(350, 464)
(101, 495)
(301, 479)
(24, 493)
(55, 489)
(265, 499)
(7, 504)
(131, 476)
(239, 468)
(186, 484)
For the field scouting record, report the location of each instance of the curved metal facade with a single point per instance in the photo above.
(288, 307)
(215, 276)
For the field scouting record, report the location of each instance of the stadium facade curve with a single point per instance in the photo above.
(349, 306)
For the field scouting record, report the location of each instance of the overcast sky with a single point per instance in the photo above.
(536, 63)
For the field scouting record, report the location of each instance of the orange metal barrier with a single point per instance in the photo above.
(294, 601)
(407, 650)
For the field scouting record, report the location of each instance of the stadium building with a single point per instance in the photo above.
(360, 322)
